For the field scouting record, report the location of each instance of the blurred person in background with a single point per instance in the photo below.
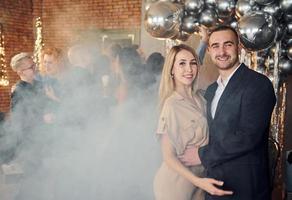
(29, 113)
(52, 70)
(28, 96)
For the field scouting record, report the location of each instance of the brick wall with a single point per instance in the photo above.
(63, 20)
(16, 18)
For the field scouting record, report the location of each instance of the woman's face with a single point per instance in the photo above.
(184, 69)
(50, 65)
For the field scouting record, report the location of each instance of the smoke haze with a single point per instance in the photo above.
(92, 150)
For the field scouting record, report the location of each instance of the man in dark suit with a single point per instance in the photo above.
(239, 108)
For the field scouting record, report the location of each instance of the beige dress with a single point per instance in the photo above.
(185, 123)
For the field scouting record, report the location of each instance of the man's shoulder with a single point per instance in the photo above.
(256, 77)
(211, 87)
(19, 86)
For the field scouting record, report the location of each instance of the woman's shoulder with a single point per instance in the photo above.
(169, 102)
(172, 99)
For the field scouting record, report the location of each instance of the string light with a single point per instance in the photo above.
(38, 42)
(3, 72)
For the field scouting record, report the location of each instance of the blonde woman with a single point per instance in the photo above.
(182, 123)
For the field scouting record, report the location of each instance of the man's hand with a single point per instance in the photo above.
(190, 157)
(48, 118)
(209, 185)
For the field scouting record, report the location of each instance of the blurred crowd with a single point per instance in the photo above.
(80, 78)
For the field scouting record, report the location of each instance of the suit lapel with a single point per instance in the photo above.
(233, 84)
(209, 95)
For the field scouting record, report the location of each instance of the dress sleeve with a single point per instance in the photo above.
(162, 122)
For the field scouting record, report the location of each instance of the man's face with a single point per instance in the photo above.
(27, 69)
(223, 49)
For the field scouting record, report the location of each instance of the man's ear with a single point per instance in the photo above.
(240, 47)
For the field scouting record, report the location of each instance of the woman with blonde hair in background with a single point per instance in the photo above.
(182, 122)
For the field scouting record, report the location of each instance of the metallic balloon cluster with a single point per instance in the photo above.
(260, 23)
(3, 72)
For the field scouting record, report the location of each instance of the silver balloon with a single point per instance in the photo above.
(208, 17)
(281, 52)
(285, 65)
(257, 30)
(274, 9)
(289, 28)
(233, 23)
(289, 52)
(270, 63)
(194, 6)
(163, 19)
(286, 6)
(173, 1)
(264, 2)
(182, 36)
(287, 41)
(210, 3)
(225, 8)
(148, 3)
(261, 69)
(288, 18)
(281, 32)
(190, 24)
(245, 6)
(261, 60)
(264, 53)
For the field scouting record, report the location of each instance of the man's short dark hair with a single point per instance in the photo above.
(223, 28)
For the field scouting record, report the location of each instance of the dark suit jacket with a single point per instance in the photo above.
(237, 152)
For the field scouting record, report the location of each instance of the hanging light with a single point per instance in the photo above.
(3, 72)
(38, 45)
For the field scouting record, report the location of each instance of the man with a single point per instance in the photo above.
(239, 108)
(28, 98)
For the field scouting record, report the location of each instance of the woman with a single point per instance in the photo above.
(182, 122)
(52, 70)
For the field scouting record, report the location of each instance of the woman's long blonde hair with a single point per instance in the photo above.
(167, 85)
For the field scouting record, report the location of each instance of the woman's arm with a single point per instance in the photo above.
(170, 158)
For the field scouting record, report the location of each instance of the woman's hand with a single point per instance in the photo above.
(203, 32)
(209, 185)
(51, 94)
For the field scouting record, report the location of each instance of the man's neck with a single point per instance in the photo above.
(27, 80)
(224, 74)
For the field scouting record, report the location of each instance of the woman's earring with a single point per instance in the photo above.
(172, 76)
